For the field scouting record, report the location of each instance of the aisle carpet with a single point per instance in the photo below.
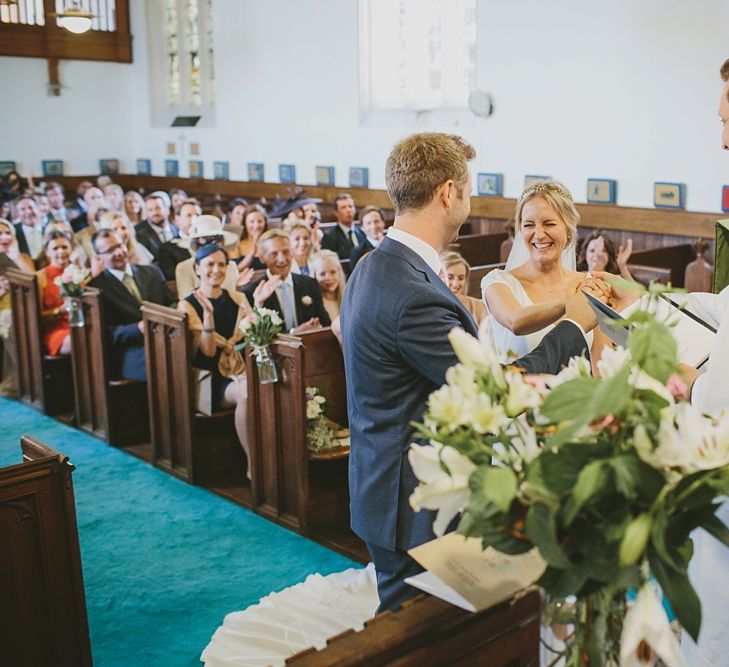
(163, 561)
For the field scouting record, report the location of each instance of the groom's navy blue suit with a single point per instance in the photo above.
(395, 319)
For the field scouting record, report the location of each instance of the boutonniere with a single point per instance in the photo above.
(306, 300)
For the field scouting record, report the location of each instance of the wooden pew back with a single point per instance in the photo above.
(42, 603)
(479, 249)
(674, 258)
(429, 631)
(477, 274)
(285, 487)
(110, 409)
(44, 382)
(190, 446)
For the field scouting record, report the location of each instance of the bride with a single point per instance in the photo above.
(528, 298)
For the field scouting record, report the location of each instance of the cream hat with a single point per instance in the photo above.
(209, 225)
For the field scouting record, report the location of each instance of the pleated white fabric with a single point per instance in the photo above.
(298, 617)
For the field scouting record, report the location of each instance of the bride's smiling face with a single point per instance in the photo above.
(543, 231)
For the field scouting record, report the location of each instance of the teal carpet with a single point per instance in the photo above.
(163, 561)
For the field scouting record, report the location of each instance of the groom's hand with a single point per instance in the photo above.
(579, 310)
(598, 288)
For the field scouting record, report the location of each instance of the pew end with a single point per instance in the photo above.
(196, 448)
(44, 381)
(113, 410)
(43, 604)
(429, 631)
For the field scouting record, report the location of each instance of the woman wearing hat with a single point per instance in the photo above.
(214, 314)
(206, 229)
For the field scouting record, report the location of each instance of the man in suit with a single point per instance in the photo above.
(177, 250)
(295, 297)
(373, 226)
(396, 316)
(345, 235)
(156, 229)
(92, 198)
(123, 288)
(29, 226)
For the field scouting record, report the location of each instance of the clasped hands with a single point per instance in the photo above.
(608, 288)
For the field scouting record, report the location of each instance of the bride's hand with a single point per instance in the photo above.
(597, 288)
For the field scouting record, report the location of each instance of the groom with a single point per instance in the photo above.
(395, 319)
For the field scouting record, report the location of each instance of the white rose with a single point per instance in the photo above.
(313, 409)
(438, 490)
(245, 324)
(306, 300)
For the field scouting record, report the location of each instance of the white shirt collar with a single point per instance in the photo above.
(374, 242)
(119, 275)
(289, 280)
(161, 230)
(346, 230)
(419, 247)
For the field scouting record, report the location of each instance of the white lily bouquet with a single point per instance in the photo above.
(606, 476)
(259, 329)
(71, 285)
(319, 431)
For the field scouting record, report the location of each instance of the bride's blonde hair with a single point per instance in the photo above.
(559, 197)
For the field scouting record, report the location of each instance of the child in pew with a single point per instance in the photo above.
(330, 276)
(214, 315)
(458, 272)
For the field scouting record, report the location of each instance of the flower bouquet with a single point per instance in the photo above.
(321, 432)
(606, 476)
(259, 329)
(71, 283)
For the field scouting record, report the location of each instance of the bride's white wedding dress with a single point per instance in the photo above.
(298, 617)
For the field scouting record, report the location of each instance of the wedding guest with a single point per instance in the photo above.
(178, 249)
(297, 298)
(302, 247)
(14, 184)
(372, 219)
(237, 210)
(10, 257)
(598, 253)
(96, 208)
(57, 200)
(208, 229)
(248, 252)
(29, 226)
(345, 236)
(176, 198)
(44, 208)
(328, 272)
(114, 194)
(214, 314)
(528, 298)
(134, 207)
(458, 271)
(54, 318)
(78, 255)
(118, 222)
(156, 229)
(91, 198)
(123, 288)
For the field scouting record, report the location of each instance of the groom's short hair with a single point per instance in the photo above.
(419, 164)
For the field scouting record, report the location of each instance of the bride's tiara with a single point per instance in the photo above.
(544, 187)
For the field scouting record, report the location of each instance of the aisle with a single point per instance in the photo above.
(163, 561)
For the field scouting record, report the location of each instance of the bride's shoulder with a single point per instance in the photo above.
(499, 276)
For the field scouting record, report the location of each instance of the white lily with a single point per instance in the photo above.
(521, 394)
(641, 380)
(646, 623)
(448, 407)
(485, 416)
(471, 351)
(612, 360)
(463, 377)
(438, 490)
(577, 367)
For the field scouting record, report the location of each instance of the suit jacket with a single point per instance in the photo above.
(395, 319)
(122, 314)
(303, 287)
(149, 239)
(335, 239)
(22, 241)
(170, 255)
(359, 252)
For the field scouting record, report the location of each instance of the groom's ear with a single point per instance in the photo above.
(447, 193)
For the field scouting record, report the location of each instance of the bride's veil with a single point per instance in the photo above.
(519, 254)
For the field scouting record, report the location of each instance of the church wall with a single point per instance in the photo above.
(620, 90)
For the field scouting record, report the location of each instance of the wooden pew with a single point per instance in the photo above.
(674, 258)
(650, 274)
(288, 486)
(479, 249)
(42, 602)
(44, 381)
(429, 631)
(114, 410)
(189, 445)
